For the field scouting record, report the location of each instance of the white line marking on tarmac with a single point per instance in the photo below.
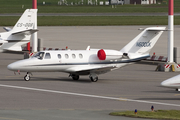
(86, 95)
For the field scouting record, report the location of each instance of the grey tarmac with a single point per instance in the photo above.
(138, 82)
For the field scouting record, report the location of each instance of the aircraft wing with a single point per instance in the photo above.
(85, 70)
(25, 32)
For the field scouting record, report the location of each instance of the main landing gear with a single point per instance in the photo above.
(93, 77)
(74, 77)
(27, 77)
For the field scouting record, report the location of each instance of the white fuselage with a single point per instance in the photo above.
(173, 82)
(69, 61)
(90, 61)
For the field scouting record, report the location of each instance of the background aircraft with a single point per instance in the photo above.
(173, 82)
(90, 62)
(20, 34)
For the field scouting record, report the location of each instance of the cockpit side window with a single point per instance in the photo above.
(39, 55)
(47, 56)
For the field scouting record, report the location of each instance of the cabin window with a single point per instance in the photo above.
(66, 56)
(80, 56)
(59, 56)
(39, 55)
(47, 56)
(73, 56)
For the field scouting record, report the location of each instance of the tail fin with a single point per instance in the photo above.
(26, 21)
(144, 42)
(21, 32)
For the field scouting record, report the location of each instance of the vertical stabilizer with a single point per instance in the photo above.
(144, 42)
(26, 21)
(13, 39)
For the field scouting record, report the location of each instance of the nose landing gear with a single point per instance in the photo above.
(27, 76)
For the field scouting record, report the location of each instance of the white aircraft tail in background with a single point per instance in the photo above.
(143, 43)
(90, 62)
(13, 39)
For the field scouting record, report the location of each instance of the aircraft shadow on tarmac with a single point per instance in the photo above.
(162, 98)
(49, 79)
(11, 80)
(65, 79)
(164, 91)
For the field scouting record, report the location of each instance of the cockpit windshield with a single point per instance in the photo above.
(39, 55)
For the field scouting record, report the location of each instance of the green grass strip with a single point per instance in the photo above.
(158, 114)
(93, 20)
(51, 6)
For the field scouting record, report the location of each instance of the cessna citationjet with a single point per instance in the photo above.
(173, 82)
(20, 34)
(90, 62)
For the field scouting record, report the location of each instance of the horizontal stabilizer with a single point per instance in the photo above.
(7, 29)
(3, 41)
(15, 48)
(25, 32)
(157, 29)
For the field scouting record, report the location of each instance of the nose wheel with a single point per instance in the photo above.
(27, 77)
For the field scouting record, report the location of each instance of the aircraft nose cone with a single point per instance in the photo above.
(12, 66)
(165, 83)
(172, 82)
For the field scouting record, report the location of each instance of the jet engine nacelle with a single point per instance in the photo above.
(108, 54)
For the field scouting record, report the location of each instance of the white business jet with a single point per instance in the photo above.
(173, 82)
(90, 62)
(13, 39)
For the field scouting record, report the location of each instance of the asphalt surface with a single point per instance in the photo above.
(55, 96)
(93, 14)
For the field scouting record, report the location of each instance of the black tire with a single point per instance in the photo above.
(26, 77)
(94, 79)
(75, 77)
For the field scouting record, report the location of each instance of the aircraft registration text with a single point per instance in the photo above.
(143, 44)
(25, 25)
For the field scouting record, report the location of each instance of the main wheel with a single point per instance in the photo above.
(26, 77)
(94, 79)
(75, 77)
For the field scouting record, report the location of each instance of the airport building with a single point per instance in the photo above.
(142, 1)
(103, 2)
(117, 2)
(133, 2)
